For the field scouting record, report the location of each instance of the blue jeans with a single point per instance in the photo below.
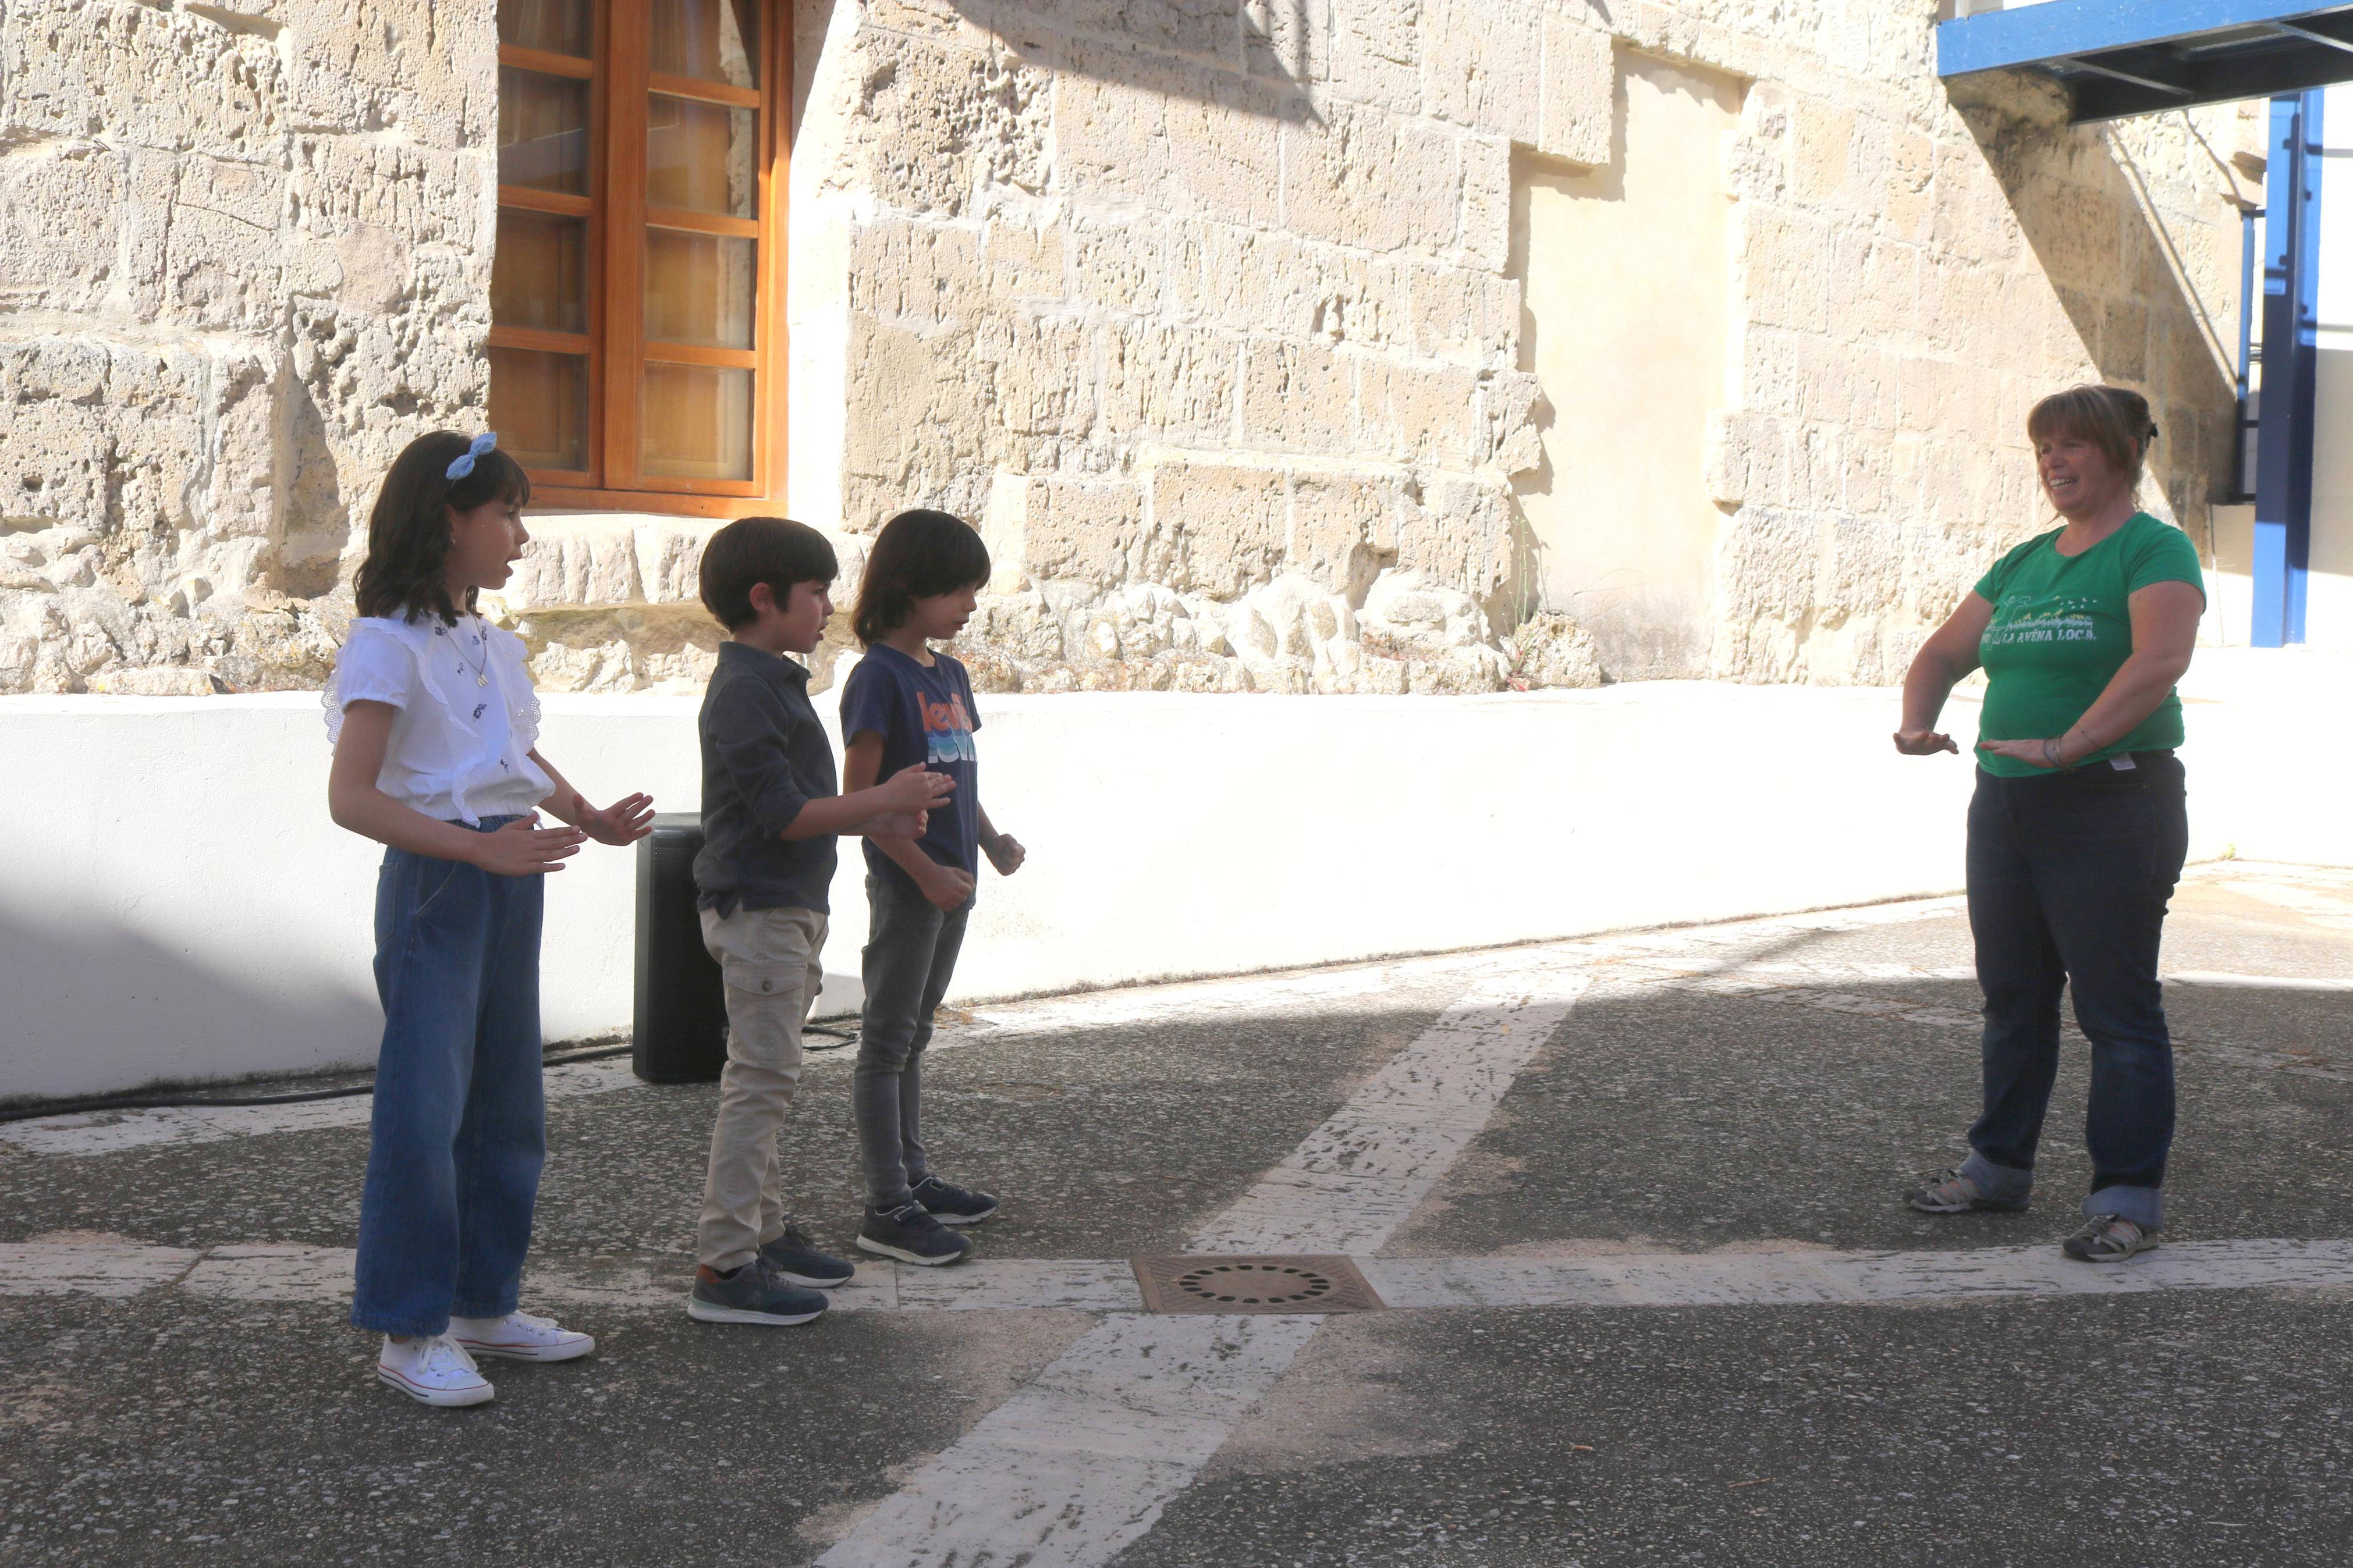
(459, 1129)
(2069, 875)
(911, 955)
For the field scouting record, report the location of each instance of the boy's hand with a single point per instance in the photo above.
(523, 849)
(624, 822)
(1005, 853)
(914, 788)
(896, 825)
(948, 887)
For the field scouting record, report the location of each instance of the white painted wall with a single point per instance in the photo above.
(177, 904)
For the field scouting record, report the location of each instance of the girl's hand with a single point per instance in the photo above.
(523, 849)
(896, 825)
(624, 821)
(948, 887)
(1924, 742)
(914, 788)
(2034, 753)
(1005, 853)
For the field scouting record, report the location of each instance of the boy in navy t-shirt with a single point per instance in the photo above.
(906, 706)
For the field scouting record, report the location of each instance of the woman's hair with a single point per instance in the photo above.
(2115, 421)
(753, 549)
(406, 569)
(917, 554)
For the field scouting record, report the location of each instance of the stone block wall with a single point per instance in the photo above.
(244, 257)
(1199, 311)
(1202, 309)
(1919, 264)
(1209, 308)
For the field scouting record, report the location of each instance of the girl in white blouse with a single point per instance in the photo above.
(436, 734)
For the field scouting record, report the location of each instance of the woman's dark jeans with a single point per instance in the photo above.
(2069, 876)
(910, 958)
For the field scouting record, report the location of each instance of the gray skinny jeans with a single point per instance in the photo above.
(910, 958)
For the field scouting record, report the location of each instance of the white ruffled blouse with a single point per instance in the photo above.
(468, 716)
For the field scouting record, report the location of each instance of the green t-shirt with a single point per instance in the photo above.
(2061, 631)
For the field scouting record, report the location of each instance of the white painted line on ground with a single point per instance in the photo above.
(1804, 1277)
(2215, 977)
(2334, 913)
(90, 1268)
(1357, 1178)
(110, 1132)
(1079, 1463)
(1798, 1277)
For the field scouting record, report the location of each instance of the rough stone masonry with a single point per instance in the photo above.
(1204, 309)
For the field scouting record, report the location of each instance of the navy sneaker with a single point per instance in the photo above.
(797, 1261)
(911, 1236)
(952, 1204)
(751, 1294)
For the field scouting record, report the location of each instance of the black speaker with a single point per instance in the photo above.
(680, 1027)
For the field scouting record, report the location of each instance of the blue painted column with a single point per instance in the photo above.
(2284, 436)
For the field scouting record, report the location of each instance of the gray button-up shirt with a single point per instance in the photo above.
(764, 756)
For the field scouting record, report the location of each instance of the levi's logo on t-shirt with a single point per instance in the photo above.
(947, 731)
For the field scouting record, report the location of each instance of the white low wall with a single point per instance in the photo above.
(175, 904)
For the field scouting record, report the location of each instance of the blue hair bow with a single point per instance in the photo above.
(475, 448)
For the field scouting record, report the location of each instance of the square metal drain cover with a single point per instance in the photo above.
(1231, 1283)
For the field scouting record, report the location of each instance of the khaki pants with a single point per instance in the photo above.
(770, 959)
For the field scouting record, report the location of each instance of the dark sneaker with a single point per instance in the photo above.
(910, 1234)
(1950, 1192)
(952, 1204)
(751, 1294)
(2108, 1239)
(797, 1261)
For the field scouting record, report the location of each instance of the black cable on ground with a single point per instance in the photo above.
(193, 1102)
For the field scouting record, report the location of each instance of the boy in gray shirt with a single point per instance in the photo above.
(771, 811)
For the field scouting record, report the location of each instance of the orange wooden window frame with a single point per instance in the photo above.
(619, 80)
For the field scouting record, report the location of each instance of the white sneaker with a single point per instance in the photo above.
(435, 1370)
(519, 1336)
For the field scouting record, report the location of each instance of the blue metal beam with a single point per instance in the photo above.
(2036, 35)
(2123, 58)
(2291, 361)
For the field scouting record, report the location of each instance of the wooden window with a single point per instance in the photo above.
(637, 346)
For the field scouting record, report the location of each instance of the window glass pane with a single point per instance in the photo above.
(710, 40)
(700, 288)
(543, 131)
(559, 27)
(539, 406)
(697, 422)
(538, 276)
(701, 157)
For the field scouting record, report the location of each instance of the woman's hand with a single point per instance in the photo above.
(523, 849)
(1924, 742)
(2045, 754)
(624, 821)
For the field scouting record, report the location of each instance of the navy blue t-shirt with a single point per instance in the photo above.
(923, 716)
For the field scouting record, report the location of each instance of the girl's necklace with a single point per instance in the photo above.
(483, 671)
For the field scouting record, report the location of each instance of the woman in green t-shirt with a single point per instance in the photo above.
(2078, 828)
